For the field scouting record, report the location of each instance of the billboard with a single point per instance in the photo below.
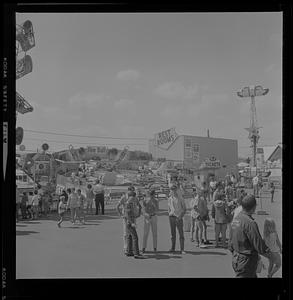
(166, 138)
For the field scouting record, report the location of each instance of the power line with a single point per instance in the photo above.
(82, 143)
(87, 136)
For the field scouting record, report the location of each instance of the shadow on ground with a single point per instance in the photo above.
(28, 222)
(19, 232)
(205, 253)
(160, 255)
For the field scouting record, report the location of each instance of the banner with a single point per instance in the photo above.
(166, 138)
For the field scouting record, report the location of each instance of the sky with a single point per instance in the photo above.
(131, 75)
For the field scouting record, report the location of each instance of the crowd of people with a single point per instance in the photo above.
(230, 208)
(32, 207)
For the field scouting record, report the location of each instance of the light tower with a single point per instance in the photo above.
(252, 92)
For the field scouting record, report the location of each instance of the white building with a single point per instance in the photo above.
(201, 155)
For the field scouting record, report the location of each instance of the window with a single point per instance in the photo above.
(195, 148)
(188, 153)
(187, 143)
(24, 178)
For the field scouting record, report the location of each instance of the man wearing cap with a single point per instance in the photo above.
(246, 242)
(150, 209)
(121, 212)
(176, 211)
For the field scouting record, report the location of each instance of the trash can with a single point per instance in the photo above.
(187, 222)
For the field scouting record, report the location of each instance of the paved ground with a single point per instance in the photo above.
(94, 250)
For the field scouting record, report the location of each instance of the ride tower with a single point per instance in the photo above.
(253, 129)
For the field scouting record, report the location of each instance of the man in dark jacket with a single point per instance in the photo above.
(246, 243)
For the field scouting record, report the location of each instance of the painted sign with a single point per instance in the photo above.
(211, 163)
(165, 139)
(191, 149)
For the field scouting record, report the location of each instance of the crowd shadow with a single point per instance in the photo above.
(20, 232)
(73, 227)
(202, 252)
(20, 225)
(161, 255)
(25, 221)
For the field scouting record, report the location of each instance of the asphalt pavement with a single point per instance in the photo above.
(95, 250)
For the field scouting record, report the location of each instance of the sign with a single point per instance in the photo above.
(191, 150)
(165, 139)
(211, 163)
(22, 147)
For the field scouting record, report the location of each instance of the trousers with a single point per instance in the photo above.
(100, 203)
(150, 222)
(176, 223)
(132, 240)
(244, 266)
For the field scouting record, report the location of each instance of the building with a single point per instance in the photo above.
(96, 151)
(201, 155)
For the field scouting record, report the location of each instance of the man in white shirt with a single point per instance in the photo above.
(255, 185)
(176, 211)
(213, 185)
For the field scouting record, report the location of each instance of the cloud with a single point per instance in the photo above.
(56, 113)
(172, 112)
(123, 104)
(128, 75)
(87, 100)
(176, 90)
(209, 103)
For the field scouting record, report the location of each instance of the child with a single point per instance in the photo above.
(80, 211)
(219, 214)
(198, 213)
(61, 210)
(272, 241)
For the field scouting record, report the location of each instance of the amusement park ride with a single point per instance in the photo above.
(253, 130)
(25, 41)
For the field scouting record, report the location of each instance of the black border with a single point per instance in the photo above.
(203, 288)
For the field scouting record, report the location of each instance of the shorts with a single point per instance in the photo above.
(62, 214)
